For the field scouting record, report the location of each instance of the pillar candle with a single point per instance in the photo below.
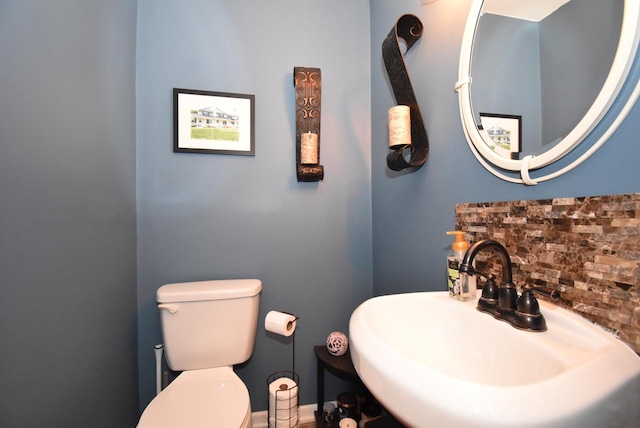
(399, 126)
(309, 148)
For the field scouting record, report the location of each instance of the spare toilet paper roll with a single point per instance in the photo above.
(283, 408)
(348, 423)
(283, 398)
(280, 323)
(289, 423)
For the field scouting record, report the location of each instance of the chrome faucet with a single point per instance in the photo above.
(503, 302)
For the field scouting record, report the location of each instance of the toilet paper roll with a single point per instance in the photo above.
(280, 323)
(288, 423)
(348, 423)
(283, 398)
(283, 407)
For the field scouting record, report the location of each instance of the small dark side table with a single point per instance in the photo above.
(341, 366)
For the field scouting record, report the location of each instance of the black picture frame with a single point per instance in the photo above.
(213, 122)
(505, 130)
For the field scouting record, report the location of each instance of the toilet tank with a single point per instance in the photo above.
(209, 324)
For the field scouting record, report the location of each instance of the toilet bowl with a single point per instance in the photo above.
(201, 398)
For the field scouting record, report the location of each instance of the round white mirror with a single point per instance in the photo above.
(578, 51)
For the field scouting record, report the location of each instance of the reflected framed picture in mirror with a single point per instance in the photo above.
(505, 131)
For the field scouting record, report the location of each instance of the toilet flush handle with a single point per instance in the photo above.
(172, 309)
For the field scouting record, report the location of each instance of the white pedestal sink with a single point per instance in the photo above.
(436, 362)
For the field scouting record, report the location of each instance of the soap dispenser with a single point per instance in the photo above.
(461, 285)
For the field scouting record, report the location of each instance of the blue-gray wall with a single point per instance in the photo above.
(218, 216)
(577, 47)
(506, 53)
(67, 214)
(411, 212)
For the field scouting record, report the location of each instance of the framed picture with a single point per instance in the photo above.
(505, 131)
(213, 122)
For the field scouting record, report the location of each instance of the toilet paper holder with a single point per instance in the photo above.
(282, 396)
(282, 386)
(282, 330)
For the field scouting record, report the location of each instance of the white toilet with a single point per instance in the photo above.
(207, 327)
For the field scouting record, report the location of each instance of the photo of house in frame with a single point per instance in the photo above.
(504, 132)
(213, 122)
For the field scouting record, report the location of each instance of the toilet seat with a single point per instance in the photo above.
(214, 397)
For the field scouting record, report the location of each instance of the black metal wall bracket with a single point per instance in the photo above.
(408, 28)
(308, 87)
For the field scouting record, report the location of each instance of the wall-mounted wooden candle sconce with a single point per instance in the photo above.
(407, 135)
(308, 85)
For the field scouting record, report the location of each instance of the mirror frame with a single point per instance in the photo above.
(622, 62)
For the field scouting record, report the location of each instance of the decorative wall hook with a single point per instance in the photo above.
(415, 147)
(308, 86)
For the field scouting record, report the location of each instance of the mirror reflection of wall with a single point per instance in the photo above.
(549, 70)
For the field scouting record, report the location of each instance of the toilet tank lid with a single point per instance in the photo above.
(208, 290)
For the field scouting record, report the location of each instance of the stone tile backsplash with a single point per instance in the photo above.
(587, 247)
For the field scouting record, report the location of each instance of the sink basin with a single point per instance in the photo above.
(436, 362)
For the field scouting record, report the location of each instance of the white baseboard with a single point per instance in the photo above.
(306, 415)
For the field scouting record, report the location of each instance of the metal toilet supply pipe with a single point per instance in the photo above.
(158, 351)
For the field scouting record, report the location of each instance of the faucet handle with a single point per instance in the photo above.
(490, 289)
(528, 304)
(549, 292)
(527, 315)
